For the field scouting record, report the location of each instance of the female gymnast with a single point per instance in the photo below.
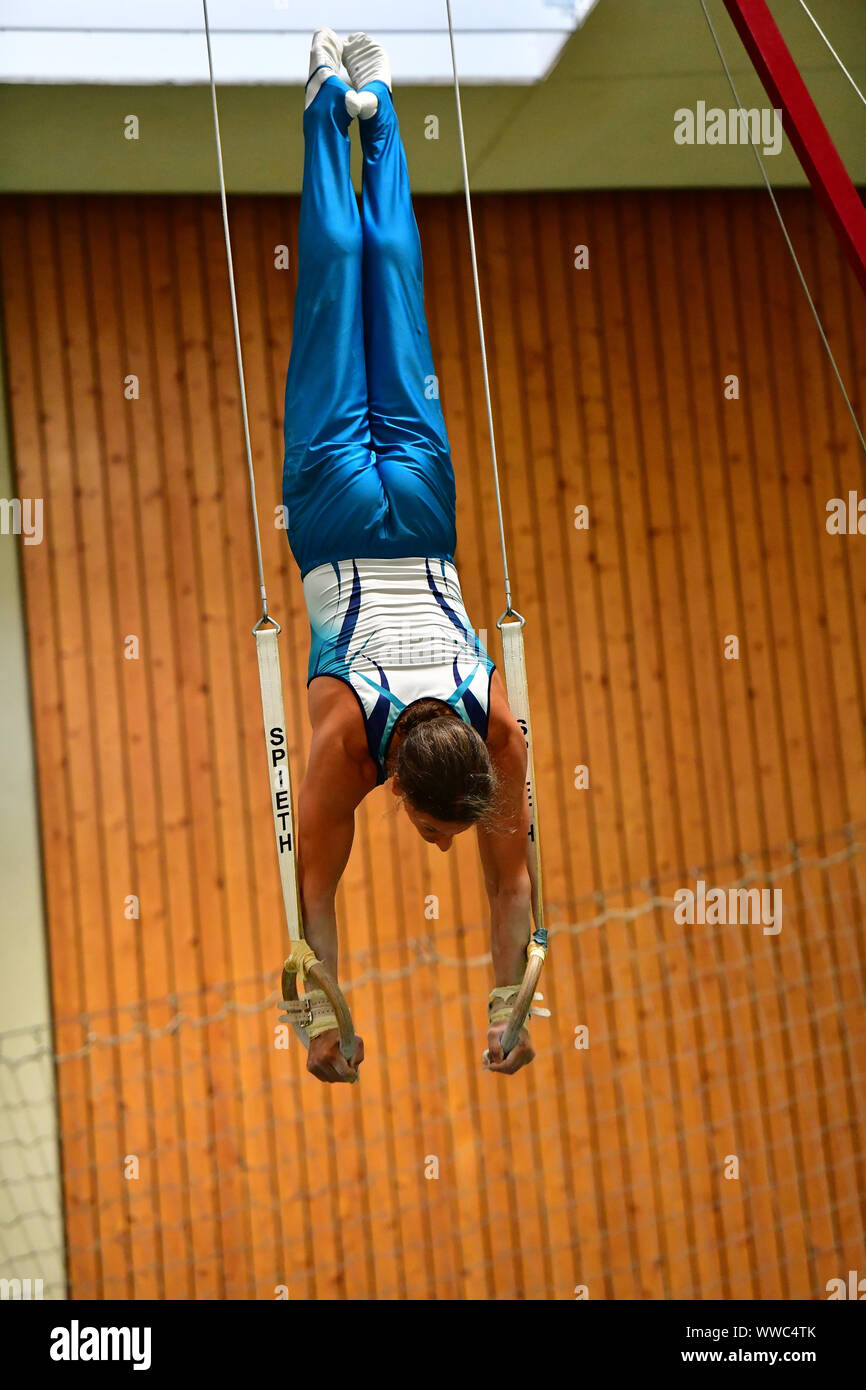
(399, 687)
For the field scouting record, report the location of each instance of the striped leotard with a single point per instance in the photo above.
(396, 631)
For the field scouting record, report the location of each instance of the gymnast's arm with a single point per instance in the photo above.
(506, 863)
(504, 860)
(334, 784)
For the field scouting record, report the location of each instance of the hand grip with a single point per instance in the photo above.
(324, 980)
(523, 1002)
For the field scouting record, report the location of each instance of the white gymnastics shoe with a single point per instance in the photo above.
(366, 61)
(326, 56)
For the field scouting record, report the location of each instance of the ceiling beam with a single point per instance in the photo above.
(802, 123)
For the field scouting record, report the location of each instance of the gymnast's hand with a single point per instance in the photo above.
(520, 1055)
(326, 1062)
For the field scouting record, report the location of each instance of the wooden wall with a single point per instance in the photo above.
(603, 1166)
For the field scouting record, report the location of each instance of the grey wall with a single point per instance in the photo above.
(31, 1226)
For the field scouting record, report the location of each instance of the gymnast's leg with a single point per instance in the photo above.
(328, 477)
(407, 426)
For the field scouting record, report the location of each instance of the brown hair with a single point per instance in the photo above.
(443, 765)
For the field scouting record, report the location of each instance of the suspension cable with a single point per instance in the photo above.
(833, 51)
(479, 313)
(790, 244)
(238, 353)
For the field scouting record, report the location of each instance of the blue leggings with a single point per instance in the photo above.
(367, 468)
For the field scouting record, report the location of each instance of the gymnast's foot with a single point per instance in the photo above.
(325, 58)
(366, 61)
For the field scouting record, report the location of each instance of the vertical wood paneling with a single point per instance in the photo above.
(602, 1167)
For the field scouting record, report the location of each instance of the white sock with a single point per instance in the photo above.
(363, 104)
(325, 57)
(366, 61)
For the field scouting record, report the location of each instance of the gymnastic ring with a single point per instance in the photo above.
(523, 1003)
(536, 956)
(324, 980)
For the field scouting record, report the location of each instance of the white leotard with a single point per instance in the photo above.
(396, 631)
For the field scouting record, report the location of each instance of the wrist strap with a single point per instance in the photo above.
(312, 1012)
(501, 1002)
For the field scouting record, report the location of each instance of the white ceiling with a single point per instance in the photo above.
(267, 41)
